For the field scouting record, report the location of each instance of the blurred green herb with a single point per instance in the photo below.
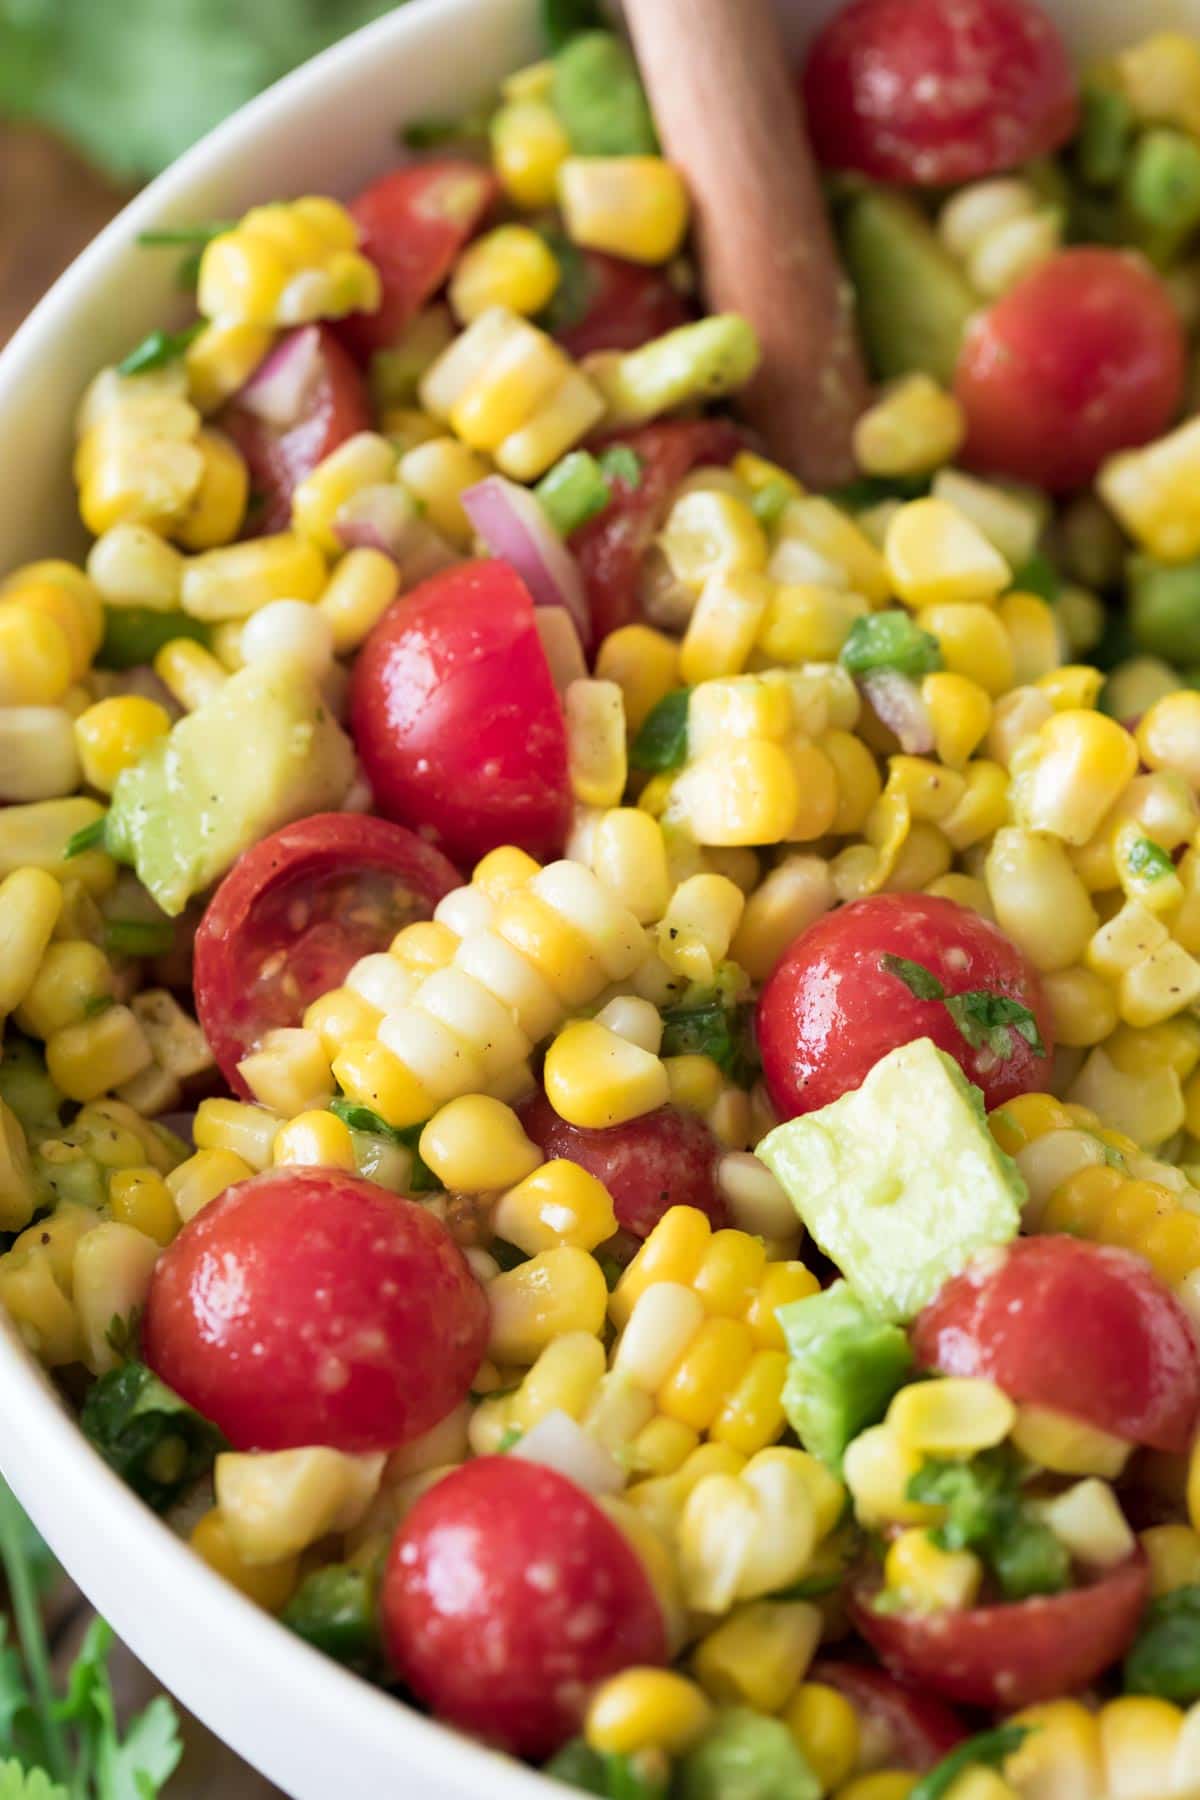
(157, 349)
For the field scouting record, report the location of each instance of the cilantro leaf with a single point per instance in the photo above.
(334, 1609)
(422, 1179)
(987, 1750)
(1038, 575)
(565, 19)
(983, 1019)
(152, 1439)
(17, 1783)
(571, 300)
(1148, 859)
(1165, 1659)
(715, 1028)
(621, 462)
(890, 640)
(159, 348)
(611, 1776)
(921, 982)
(662, 742)
(985, 1512)
(137, 1766)
(88, 837)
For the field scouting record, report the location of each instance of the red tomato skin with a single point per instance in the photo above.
(609, 548)
(1013, 1655)
(507, 1594)
(829, 1012)
(412, 224)
(279, 460)
(306, 1306)
(456, 718)
(938, 91)
(627, 305)
(666, 1158)
(234, 937)
(919, 1730)
(1084, 1328)
(1085, 356)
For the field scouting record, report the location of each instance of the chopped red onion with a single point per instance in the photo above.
(897, 703)
(510, 520)
(383, 517)
(557, 1442)
(280, 388)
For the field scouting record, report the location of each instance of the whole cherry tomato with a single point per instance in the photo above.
(508, 1594)
(294, 915)
(456, 718)
(308, 1307)
(665, 1158)
(412, 223)
(1016, 1654)
(938, 91)
(606, 303)
(1079, 1327)
(1084, 356)
(906, 1729)
(279, 457)
(839, 1000)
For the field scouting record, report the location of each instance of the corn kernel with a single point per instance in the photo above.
(475, 1143)
(644, 1709)
(269, 1585)
(112, 735)
(139, 1197)
(511, 266)
(759, 1654)
(529, 144)
(630, 206)
(594, 1078)
(825, 1726)
(936, 556)
(556, 1291)
(914, 426)
(929, 1578)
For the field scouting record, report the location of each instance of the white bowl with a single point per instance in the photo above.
(298, 1717)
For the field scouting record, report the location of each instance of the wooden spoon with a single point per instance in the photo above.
(717, 76)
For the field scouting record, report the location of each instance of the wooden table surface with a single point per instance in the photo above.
(51, 204)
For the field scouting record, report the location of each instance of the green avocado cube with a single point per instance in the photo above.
(900, 1181)
(745, 1756)
(844, 1366)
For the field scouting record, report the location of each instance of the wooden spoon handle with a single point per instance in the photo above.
(728, 116)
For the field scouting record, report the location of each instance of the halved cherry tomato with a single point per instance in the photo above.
(1080, 1327)
(1084, 356)
(938, 91)
(1016, 1654)
(308, 1307)
(507, 1595)
(616, 305)
(665, 1158)
(294, 915)
(456, 717)
(412, 225)
(832, 1009)
(279, 458)
(610, 547)
(902, 1728)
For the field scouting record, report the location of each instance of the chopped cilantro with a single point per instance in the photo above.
(662, 742)
(987, 1750)
(159, 348)
(1165, 1659)
(422, 1180)
(621, 462)
(1038, 575)
(890, 640)
(1148, 859)
(985, 1512)
(88, 837)
(984, 1020)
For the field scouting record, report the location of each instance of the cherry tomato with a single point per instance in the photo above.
(294, 915)
(904, 1729)
(1080, 1327)
(456, 717)
(1084, 356)
(619, 305)
(610, 547)
(507, 1594)
(665, 1158)
(1016, 1654)
(308, 1307)
(412, 224)
(831, 1009)
(279, 458)
(938, 91)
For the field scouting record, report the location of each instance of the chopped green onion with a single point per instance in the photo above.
(158, 349)
(361, 1118)
(573, 491)
(987, 1750)
(767, 503)
(662, 742)
(88, 837)
(1149, 859)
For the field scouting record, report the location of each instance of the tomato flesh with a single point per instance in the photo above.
(904, 1729)
(294, 915)
(1083, 1328)
(938, 91)
(280, 457)
(663, 1159)
(830, 1010)
(622, 306)
(456, 718)
(507, 1595)
(412, 224)
(308, 1307)
(1016, 1654)
(609, 548)
(1086, 355)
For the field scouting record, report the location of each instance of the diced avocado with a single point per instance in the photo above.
(598, 95)
(702, 361)
(844, 1366)
(27, 1089)
(913, 300)
(900, 1181)
(1164, 607)
(263, 751)
(746, 1756)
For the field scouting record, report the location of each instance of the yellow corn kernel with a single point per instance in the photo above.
(364, 460)
(752, 1414)
(203, 1177)
(76, 612)
(709, 533)
(911, 428)
(807, 622)
(1034, 642)
(745, 793)
(1088, 1520)
(269, 1585)
(339, 1018)
(289, 1072)
(646, 1709)
(437, 473)
(371, 1075)
(825, 1726)
(1152, 493)
(88, 1059)
(759, 1654)
(221, 359)
(529, 145)
(475, 1143)
(594, 1078)
(644, 663)
(1082, 1006)
(973, 643)
(1061, 1756)
(744, 1536)
(884, 1784)
(1173, 1553)
(1067, 777)
(559, 1203)
(661, 1447)
(132, 566)
(556, 1291)
(960, 711)
(500, 872)
(1073, 686)
(70, 975)
(877, 1469)
(1172, 1246)
(694, 1082)
(629, 856)
(1159, 985)
(1138, 1739)
(789, 899)
(936, 556)
(699, 925)
(1168, 734)
(781, 1283)
(510, 266)
(316, 1138)
(235, 580)
(217, 507)
(1160, 77)
(286, 263)
(953, 1417)
(190, 673)
(359, 592)
(30, 903)
(35, 658)
(1066, 1445)
(725, 623)
(631, 206)
(595, 720)
(983, 808)
(928, 1578)
(139, 1197)
(112, 735)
